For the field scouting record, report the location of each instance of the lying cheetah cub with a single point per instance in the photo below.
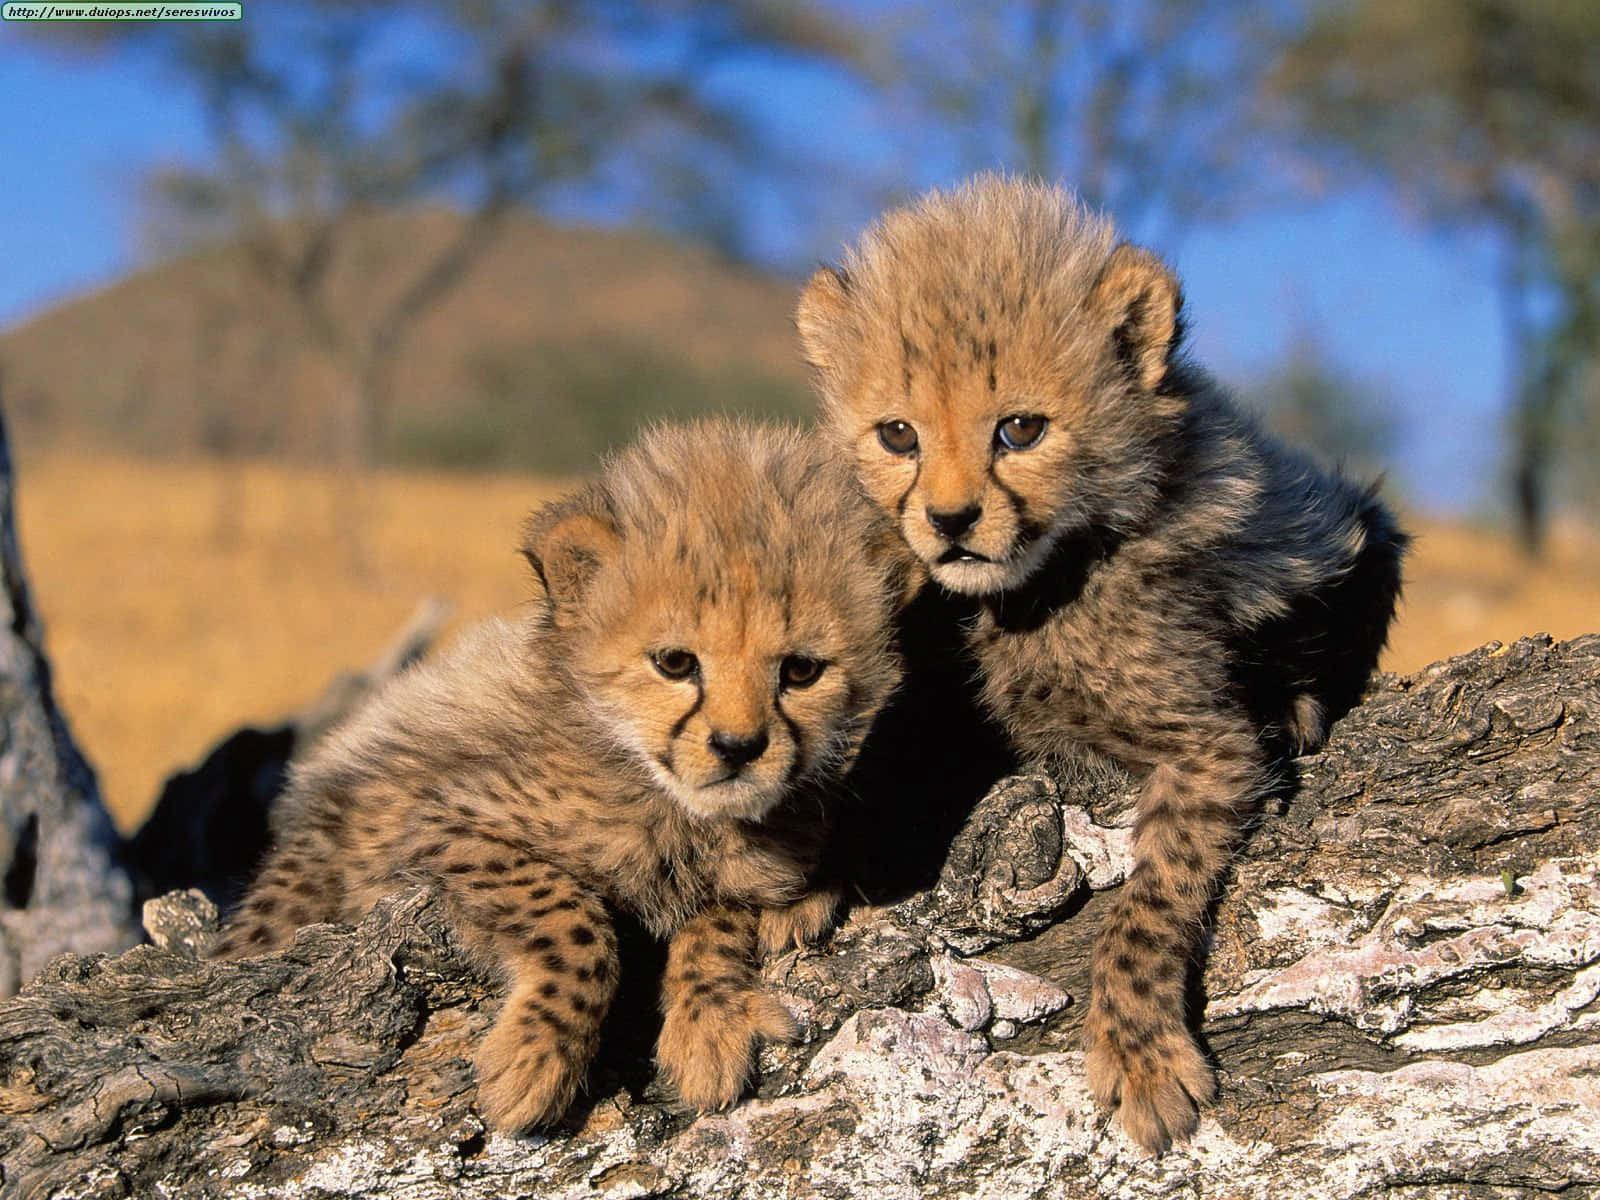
(713, 641)
(1159, 581)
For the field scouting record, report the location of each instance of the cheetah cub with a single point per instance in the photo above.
(1158, 580)
(713, 641)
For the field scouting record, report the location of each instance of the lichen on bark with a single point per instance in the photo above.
(1402, 992)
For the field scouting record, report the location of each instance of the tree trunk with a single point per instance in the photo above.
(1403, 996)
(63, 886)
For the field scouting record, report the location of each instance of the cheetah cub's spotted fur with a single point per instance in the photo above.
(1159, 581)
(714, 639)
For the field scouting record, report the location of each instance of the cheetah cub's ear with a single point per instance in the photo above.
(1137, 300)
(821, 317)
(566, 542)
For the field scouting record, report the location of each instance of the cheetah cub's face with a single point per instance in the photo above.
(725, 597)
(992, 365)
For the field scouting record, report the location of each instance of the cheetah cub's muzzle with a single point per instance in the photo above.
(723, 736)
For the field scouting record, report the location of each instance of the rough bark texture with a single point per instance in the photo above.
(64, 887)
(1401, 994)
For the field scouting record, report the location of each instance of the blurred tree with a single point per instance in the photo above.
(1487, 112)
(1315, 405)
(325, 112)
(1139, 105)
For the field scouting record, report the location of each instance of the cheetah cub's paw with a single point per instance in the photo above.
(803, 923)
(1155, 1087)
(527, 1075)
(708, 1049)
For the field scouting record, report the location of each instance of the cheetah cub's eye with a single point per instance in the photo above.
(675, 664)
(1020, 433)
(897, 437)
(797, 671)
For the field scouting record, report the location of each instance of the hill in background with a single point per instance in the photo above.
(185, 595)
(557, 343)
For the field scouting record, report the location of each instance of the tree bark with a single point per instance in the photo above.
(62, 886)
(1402, 994)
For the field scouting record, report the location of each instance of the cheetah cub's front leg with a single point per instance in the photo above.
(716, 1012)
(558, 949)
(803, 923)
(1141, 1059)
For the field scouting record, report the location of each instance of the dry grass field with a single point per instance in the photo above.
(167, 631)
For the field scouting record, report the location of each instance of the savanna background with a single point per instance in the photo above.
(301, 314)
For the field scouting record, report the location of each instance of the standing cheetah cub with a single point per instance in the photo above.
(714, 639)
(1159, 581)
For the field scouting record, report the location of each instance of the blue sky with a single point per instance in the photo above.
(80, 131)
(1410, 314)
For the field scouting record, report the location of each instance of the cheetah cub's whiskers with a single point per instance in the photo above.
(1158, 579)
(661, 736)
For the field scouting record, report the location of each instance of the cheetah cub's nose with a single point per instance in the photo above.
(736, 751)
(954, 524)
